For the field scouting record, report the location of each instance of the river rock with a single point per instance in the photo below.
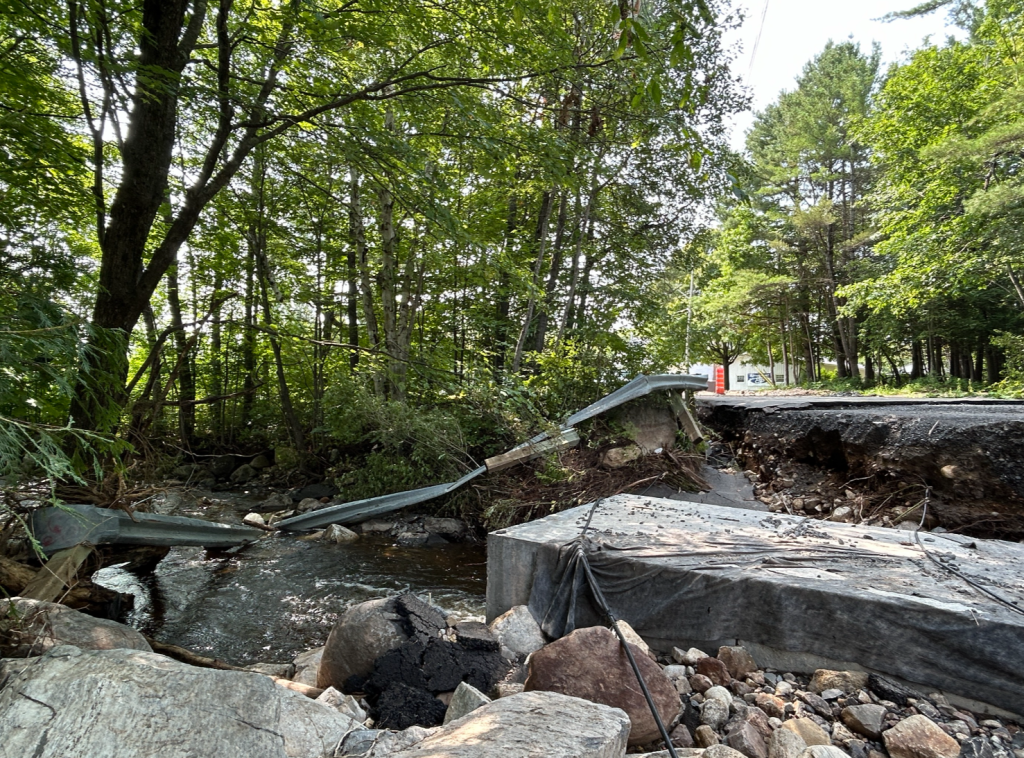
(785, 743)
(688, 657)
(254, 519)
(620, 457)
(823, 751)
(976, 747)
(380, 743)
(339, 535)
(361, 635)
(307, 666)
(868, 720)
(31, 627)
(677, 675)
(279, 501)
(532, 723)
(308, 504)
(451, 529)
(714, 713)
(745, 738)
(738, 662)
(128, 703)
(590, 663)
(847, 681)
(722, 751)
(714, 670)
(773, 706)
(705, 736)
(343, 703)
(221, 466)
(466, 699)
(243, 474)
(808, 731)
(718, 693)
(919, 737)
(280, 670)
(260, 462)
(517, 631)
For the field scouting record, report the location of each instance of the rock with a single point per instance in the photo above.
(128, 703)
(339, 535)
(307, 666)
(412, 538)
(759, 721)
(31, 627)
(507, 689)
(518, 631)
(738, 662)
(919, 737)
(307, 504)
(243, 474)
(451, 529)
(260, 462)
(823, 751)
(743, 737)
(718, 693)
(344, 703)
(567, 727)
(681, 737)
(361, 635)
(740, 689)
(635, 639)
(620, 457)
(700, 683)
(705, 736)
(785, 743)
(808, 731)
(280, 670)
(379, 743)
(677, 675)
(771, 705)
(840, 734)
(254, 519)
(847, 681)
(842, 513)
(714, 670)
(688, 658)
(833, 694)
(868, 720)
(287, 458)
(714, 713)
(376, 526)
(976, 747)
(722, 751)
(276, 502)
(221, 466)
(818, 703)
(590, 663)
(887, 689)
(466, 699)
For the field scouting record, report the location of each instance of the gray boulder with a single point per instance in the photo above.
(31, 627)
(361, 635)
(517, 631)
(73, 703)
(243, 474)
(532, 723)
(465, 700)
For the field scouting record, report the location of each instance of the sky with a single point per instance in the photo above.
(794, 31)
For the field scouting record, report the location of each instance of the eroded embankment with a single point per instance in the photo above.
(878, 460)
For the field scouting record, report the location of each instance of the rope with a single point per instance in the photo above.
(606, 611)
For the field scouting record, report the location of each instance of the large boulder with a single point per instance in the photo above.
(361, 635)
(919, 737)
(72, 703)
(31, 627)
(590, 664)
(531, 723)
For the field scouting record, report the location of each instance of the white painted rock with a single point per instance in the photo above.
(530, 724)
(31, 627)
(518, 631)
(73, 703)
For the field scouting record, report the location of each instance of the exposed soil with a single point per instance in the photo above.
(883, 461)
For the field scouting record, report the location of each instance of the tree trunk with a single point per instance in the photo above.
(357, 231)
(186, 378)
(540, 243)
(555, 270)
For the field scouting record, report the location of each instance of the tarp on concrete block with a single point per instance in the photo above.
(683, 573)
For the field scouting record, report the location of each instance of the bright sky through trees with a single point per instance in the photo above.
(794, 31)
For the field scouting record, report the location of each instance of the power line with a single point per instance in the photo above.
(757, 39)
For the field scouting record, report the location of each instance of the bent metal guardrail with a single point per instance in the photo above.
(360, 510)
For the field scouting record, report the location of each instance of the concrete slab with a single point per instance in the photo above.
(695, 574)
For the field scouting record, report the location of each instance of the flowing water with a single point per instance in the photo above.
(271, 600)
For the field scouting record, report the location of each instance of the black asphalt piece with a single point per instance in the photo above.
(420, 620)
(403, 664)
(401, 706)
(887, 689)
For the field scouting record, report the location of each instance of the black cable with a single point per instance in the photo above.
(603, 607)
(917, 536)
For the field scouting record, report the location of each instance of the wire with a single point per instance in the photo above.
(757, 39)
(981, 588)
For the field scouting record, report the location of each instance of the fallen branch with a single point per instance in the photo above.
(194, 659)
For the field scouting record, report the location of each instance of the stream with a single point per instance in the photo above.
(275, 598)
